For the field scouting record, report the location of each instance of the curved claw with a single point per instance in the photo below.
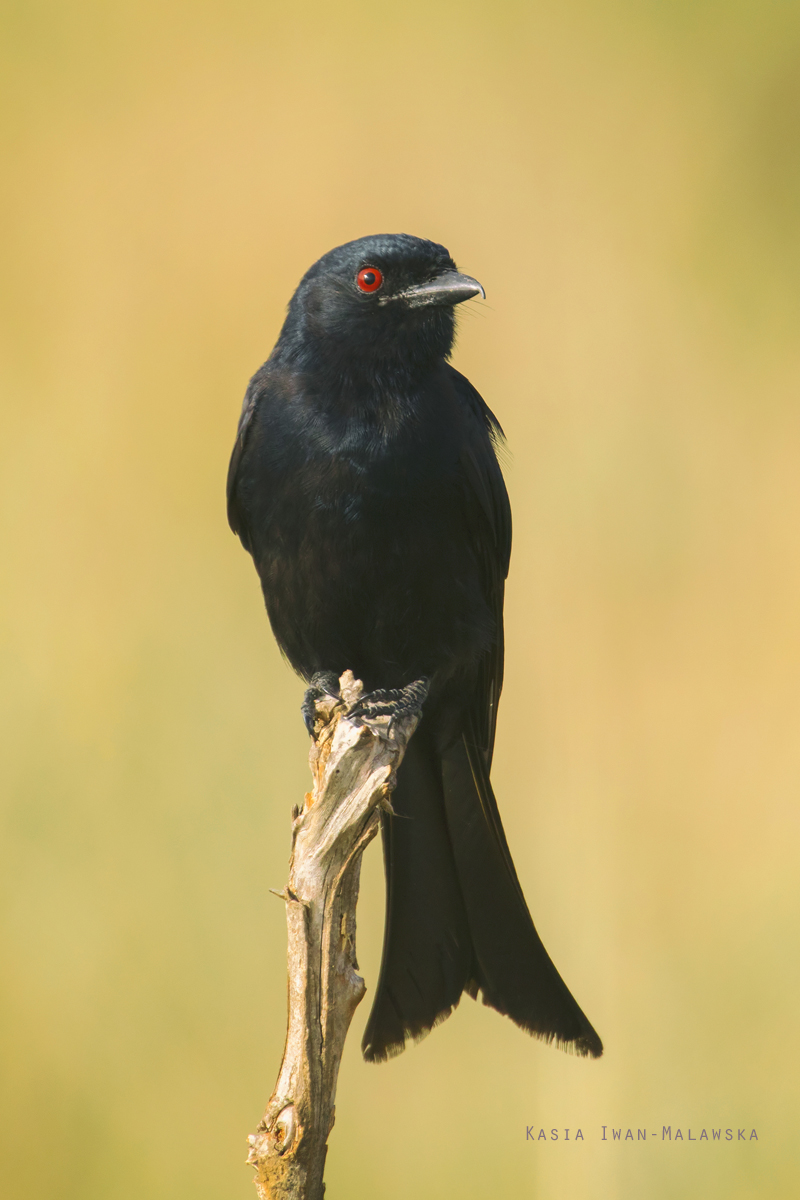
(323, 683)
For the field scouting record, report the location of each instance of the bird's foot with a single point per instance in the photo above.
(383, 702)
(392, 702)
(323, 683)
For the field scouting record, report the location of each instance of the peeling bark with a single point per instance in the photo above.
(353, 764)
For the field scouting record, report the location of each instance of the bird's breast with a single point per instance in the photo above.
(358, 532)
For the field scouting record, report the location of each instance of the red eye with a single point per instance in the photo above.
(369, 279)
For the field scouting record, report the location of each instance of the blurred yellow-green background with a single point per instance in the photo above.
(624, 179)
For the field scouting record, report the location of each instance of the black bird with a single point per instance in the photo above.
(365, 484)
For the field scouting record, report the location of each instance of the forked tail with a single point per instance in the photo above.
(456, 918)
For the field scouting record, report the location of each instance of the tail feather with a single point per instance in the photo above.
(515, 973)
(456, 917)
(427, 951)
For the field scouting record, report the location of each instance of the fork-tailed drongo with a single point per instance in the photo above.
(365, 484)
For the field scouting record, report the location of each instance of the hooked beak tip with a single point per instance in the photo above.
(451, 287)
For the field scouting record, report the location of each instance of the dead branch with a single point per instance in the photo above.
(353, 764)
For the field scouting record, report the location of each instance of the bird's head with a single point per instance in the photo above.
(387, 299)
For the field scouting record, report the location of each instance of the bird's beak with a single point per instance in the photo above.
(450, 287)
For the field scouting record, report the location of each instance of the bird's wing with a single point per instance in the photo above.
(235, 515)
(489, 515)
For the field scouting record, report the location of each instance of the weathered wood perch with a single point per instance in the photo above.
(353, 763)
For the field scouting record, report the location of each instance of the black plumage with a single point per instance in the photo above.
(365, 484)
